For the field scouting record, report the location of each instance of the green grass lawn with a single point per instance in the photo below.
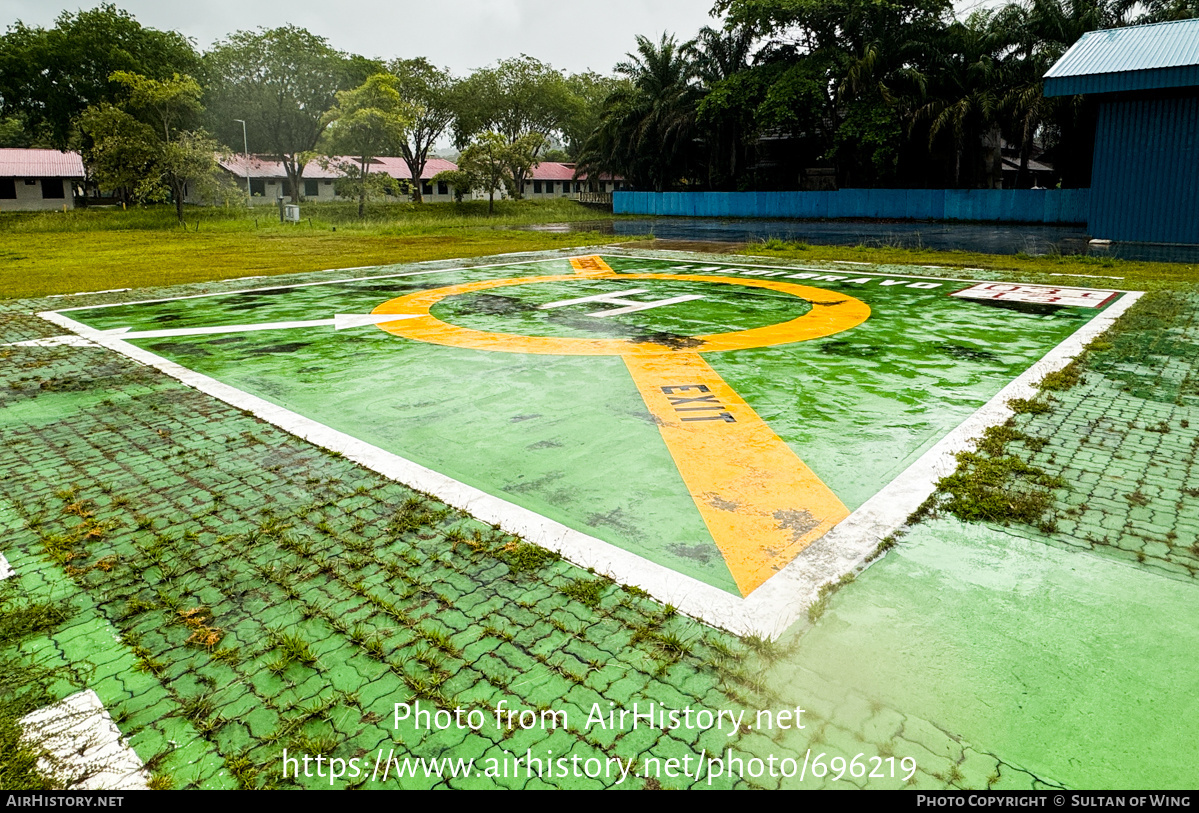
(102, 248)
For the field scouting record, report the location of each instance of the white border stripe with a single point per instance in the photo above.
(770, 609)
(689, 595)
(86, 751)
(847, 546)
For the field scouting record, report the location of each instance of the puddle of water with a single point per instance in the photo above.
(989, 238)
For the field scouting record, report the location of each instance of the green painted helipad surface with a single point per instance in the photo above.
(713, 419)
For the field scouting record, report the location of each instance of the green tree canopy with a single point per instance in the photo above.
(431, 93)
(589, 91)
(516, 98)
(280, 82)
(731, 94)
(369, 121)
(49, 77)
(484, 164)
(647, 128)
(146, 142)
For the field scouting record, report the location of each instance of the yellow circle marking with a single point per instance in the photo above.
(840, 313)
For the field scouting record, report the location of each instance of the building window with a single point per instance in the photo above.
(426, 188)
(52, 189)
(443, 188)
(258, 188)
(8, 188)
(536, 187)
(312, 189)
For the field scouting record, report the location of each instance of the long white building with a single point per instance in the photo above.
(268, 178)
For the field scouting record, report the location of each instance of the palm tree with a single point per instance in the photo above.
(647, 128)
(1038, 35)
(1160, 11)
(719, 55)
(720, 58)
(966, 87)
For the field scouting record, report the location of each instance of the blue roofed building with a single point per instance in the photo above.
(1145, 171)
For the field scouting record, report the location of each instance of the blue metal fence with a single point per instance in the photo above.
(1009, 205)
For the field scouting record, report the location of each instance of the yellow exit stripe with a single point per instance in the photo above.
(761, 503)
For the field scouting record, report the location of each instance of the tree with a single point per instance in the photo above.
(1160, 11)
(366, 122)
(122, 153)
(722, 62)
(866, 58)
(647, 129)
(1023, 108)
(431, 93)
(845, 26)
(967, 85)
(588, 92)
(519, 159)
(486, 163)
(143, 143)
(14, 134)
(460, 181)
(1039, 32)
(794, 97)
(280, 82)
(49, 77)
(516, 98)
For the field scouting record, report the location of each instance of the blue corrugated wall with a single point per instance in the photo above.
(1011, 205)
(1145, 177)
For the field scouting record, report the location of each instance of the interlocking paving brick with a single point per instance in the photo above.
(162, 462)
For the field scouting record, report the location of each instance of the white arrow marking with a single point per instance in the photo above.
(340, 321)
(344, 320)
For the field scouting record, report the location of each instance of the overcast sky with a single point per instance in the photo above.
(461, 34)
(572, 35)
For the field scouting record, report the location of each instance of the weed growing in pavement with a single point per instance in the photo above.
(824, 595)
(586, 592)
(292, 647)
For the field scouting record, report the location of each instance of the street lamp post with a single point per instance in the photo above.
(246, 146)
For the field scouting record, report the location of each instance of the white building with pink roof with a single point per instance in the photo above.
(268, 178)
(551, 179)
(39, 179)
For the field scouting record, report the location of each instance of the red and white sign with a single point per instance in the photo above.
(1038, 294)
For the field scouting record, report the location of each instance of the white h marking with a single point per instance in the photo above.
(617, 298)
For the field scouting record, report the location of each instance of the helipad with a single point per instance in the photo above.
(727, 436)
